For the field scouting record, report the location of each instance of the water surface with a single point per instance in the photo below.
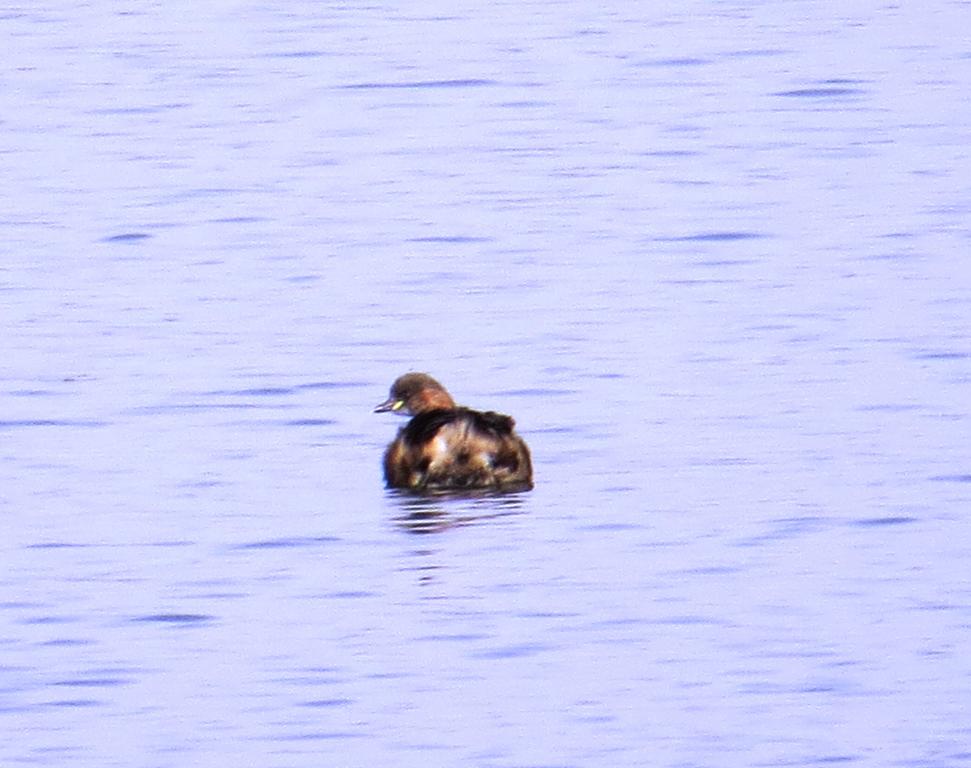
(710, 256)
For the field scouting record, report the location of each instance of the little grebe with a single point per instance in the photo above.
(447, 447)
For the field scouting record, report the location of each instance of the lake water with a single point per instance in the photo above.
(713, 258)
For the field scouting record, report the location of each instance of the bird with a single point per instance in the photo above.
(446, 447)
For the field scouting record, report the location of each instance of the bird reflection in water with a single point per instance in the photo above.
(443, 512)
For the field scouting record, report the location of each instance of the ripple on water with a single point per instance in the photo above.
(417, 84)
(288, 542)
(326, 703)
(92, 682)
(72, 423)
(960, 478)
(713, 237)
(820, 93)
(878, 522)
(175, 619)
(127, 237)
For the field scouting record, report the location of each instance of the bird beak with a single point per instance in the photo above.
(390, 405)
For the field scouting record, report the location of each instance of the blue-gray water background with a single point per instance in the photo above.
(713, 257)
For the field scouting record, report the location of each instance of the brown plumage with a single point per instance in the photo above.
(446, 447)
